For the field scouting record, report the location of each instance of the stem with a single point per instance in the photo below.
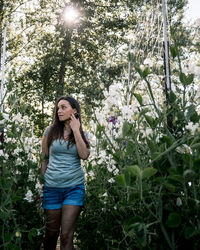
(140, 188)
(166, 235)
(175, 145)
(152, 97)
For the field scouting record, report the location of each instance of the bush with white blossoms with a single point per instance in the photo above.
(143, 173)
(21, 215)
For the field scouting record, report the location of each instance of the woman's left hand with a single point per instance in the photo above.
(74, 123)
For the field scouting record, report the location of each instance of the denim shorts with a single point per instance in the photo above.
(55, 198)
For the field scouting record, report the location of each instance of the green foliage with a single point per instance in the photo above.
(144, 191)
(21, 220)
(153, 198)
(186, 80)
(173, 51)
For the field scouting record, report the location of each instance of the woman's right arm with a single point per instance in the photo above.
(45, 155)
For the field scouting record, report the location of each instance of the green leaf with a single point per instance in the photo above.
(144, 111)
(183, 78)
(104, 144)
(146, 72)
(120, 180)
(186, 80)
(137, 68)
(173, 220)
(116, 157)
(99, 131)
(176, 177)
(173, 51)
(32, 233)
(192, 115)
(131, 174)
(148, 172)
(139, 98)
(149, 120)
(170, 187)
(1, 116)
(140, 231)
(15, 198)
(134, 170)
(151, 145)
(172, 97)
(128, 223)
(130, 147)
(189, 174)
(189, 232)
(8, 237)
(126, 129)
(195, 146)
(190, 79)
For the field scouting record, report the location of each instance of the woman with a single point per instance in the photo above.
(63, 145)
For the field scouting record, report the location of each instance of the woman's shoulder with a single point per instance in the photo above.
(46, 131)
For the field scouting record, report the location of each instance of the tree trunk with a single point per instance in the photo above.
(64, 60)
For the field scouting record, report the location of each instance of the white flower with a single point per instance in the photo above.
(184, 149)
(29, 196)
(100, 161)
(38, 186)
(116, 171)
(105, 194)
(149, 62)
(34, 160)
(25, 119)
(111, 180)
(6, 117)
(16, 151)
(17, 118)
(38, 232)
(31, 175)
(18, 161)
(1, 152)
(18, 234)
(6, 156)
(91, 174)
(192, 127)
(148, 131)
(142, 67)
(12, 140)
(179, 202)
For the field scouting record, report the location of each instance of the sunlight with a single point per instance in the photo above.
(70, 15)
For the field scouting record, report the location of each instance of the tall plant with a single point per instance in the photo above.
(143, 181)
(21, 218)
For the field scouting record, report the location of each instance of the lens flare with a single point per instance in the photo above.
(70, 15)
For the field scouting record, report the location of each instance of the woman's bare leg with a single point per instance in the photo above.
(53, 223)
(70, 216)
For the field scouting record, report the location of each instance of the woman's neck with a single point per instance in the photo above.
(67, 126)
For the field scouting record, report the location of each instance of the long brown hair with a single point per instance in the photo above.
(57, 128)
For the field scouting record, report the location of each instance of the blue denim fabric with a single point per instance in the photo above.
(55, 198)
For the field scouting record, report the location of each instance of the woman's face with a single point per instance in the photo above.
(64, 110)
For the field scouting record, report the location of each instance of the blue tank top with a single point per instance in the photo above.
(64, 167)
